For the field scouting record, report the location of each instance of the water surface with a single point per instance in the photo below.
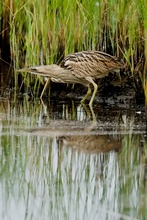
(56, 162)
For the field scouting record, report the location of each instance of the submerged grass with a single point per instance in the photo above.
(43, 32)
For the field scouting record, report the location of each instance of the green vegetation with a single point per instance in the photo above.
(43, 32)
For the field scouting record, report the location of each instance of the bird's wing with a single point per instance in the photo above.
(91, 63)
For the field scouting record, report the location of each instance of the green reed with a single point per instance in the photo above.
(43, 32)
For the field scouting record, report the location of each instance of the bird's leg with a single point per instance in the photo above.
(89, 114)
(87, 94)
(46, 84)
(94, 92)
(86, 108)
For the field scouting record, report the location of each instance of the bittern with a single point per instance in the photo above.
(81, 67)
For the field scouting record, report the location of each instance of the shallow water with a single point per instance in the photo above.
(57, 162)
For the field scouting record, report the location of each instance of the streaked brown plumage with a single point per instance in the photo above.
(82, 67)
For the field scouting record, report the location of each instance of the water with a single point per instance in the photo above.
(56, 162)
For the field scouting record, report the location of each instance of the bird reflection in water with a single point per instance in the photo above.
(79, 132)
(91, 143)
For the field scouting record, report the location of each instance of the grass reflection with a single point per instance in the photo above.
(42, 176)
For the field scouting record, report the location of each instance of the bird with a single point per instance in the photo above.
(80, 68)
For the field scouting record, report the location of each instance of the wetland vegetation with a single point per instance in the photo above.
(54, 161)
(34, 33)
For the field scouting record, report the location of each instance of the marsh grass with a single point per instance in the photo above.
(43, 32)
